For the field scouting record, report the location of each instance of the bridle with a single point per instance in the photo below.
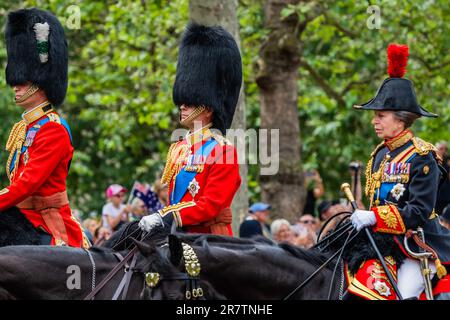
(190, 277)
(152, 279)
(337, 233)
(193, 289)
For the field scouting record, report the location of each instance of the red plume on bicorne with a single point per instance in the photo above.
(397, 60)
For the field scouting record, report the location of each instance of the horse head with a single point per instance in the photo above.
(172, 272)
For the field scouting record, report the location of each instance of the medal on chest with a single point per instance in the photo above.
(195, 163)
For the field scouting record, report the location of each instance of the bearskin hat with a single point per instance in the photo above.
(37, 52)
(396, 93)
(209, 72)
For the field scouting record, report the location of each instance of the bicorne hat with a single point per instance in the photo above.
(396, 93)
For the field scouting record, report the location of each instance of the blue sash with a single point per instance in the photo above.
(184, 177)
(35, 129)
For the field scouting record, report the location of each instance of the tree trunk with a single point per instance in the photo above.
(277, 79)
(223, 13)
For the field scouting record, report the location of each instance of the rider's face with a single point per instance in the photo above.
(386, 125)
(33, 100)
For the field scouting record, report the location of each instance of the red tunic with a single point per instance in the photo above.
(43, 175)
(217, 184)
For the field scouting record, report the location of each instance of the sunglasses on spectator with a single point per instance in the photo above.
(308, 221)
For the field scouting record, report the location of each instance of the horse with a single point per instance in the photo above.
(232, 268)
(239, 269)
(37, 272)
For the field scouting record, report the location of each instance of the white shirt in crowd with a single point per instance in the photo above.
(110, 210)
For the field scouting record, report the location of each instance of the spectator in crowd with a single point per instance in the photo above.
(89, 226)
(101, 235)
(445, 217)
(310, 222)
(305, 231)
(161, 191)
(138, 209)
(315, 190)
(115, 212)
(443, 198)
(442, 148)
(256, 223)
(281, 231)
(327, 209)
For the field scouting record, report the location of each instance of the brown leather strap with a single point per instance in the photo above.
(219, 225)
(38, 203)
(420, 243)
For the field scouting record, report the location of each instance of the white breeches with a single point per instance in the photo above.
(409, 278)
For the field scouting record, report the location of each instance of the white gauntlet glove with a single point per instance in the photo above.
(363, 218)
(150, 222)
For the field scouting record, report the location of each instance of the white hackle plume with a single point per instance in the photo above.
(42, 31)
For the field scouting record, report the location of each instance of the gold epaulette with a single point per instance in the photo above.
(54, 117)
(221, 139)
(423, 148)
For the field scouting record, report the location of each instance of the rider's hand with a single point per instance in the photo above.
(363, 218)
(150, 222)
(155, 220)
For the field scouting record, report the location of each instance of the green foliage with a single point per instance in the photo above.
(123, 63)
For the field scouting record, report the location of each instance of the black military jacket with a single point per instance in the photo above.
(402, 183)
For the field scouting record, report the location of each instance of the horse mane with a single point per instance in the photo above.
(313, 256)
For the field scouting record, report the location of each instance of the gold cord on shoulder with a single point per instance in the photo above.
(15, 143)
(374, 180)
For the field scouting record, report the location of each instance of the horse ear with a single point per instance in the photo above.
(176, 250)
(144, 248)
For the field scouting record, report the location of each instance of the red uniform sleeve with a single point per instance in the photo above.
(222, 183)
(47, 150)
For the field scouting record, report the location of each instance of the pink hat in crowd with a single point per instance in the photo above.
(114, 190)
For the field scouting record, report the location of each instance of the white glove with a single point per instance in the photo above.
(150, 222)
(363, 218)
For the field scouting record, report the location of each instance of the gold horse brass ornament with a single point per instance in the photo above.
(152, 279)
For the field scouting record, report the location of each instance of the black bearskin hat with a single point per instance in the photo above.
(37, 52)
(396, 93)
(209, 72)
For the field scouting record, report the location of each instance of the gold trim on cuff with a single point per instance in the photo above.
(175, 207)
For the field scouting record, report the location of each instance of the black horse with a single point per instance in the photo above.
(231, 269)
(241, 269)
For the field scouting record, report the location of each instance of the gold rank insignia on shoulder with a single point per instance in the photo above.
(221, 139)
(53, 117)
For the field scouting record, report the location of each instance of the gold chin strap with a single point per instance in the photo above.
(30, 91)
(197, 111)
